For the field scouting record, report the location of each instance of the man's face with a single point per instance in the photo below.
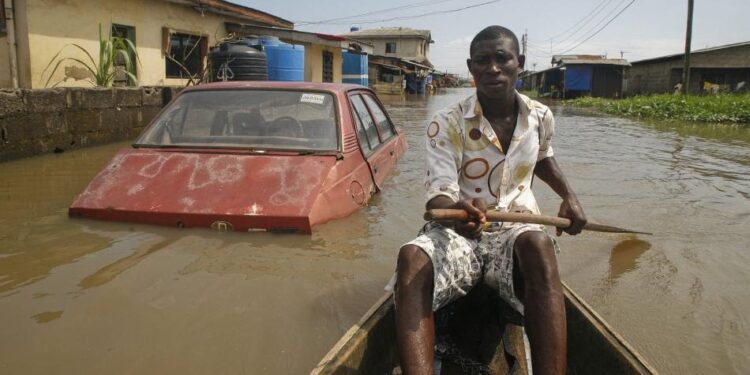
(495, 66)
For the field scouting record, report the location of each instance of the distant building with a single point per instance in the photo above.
(726, 66)
(400, 59)
(33, 31)
(402, 42)
(578, 75)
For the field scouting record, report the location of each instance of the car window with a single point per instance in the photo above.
(381, 120)
(361, 132)
(253, 118)
(369, 125)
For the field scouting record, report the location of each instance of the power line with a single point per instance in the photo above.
(407, 6)
(582, 21)
(412, 16)
(598, 31)
(584, 32)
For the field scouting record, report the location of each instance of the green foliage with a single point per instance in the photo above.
(110, 49)
(729, 108)
(533, 94)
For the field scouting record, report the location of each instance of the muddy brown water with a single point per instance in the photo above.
(87, 297)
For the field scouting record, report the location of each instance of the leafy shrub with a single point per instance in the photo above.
(110, 48)
(733, 108)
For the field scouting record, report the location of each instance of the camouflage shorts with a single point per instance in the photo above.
(460, 263)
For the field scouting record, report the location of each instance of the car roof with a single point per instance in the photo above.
(317, 86)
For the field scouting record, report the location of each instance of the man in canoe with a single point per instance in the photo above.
(485, 150)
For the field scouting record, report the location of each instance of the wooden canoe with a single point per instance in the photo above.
(369, 347)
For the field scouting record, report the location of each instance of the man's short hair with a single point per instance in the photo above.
(492, 33)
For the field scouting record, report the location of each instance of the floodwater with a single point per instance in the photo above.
(86, 297)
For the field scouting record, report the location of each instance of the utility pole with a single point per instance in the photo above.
(524, 41)
(622, 54)
(688, 37)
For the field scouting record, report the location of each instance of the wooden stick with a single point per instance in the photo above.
(515, 217)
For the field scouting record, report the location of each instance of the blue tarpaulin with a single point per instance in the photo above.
(578, 78)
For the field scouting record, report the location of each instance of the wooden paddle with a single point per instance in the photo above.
(514, 217)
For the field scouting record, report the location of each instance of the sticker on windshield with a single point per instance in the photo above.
(312, 98)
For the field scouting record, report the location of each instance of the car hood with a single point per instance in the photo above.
(242, 191)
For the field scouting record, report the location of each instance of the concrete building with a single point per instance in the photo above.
(726, 66)
(402, 42)
(36, 30)
(400, 59)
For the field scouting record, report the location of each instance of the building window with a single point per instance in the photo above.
(121, 79)
(185, 55)
(327, 66)
(390, 47)
(3, 27)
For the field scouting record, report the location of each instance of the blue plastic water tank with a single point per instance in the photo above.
(286, 62)
(355, 68)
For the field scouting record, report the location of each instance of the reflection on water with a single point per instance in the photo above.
(624, 257)
(40, 248)
(81, 296)
(110, 271)
(47, 316)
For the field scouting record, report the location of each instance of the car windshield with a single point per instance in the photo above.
(257, 119)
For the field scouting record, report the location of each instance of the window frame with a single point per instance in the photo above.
(394, 49)
(337, 120)
(327, 66)
(133, 54)
(3, 22)
(355, 112)
(202, 49)
(383, 111)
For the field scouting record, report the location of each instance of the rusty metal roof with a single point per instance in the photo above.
(229, 9)
(703, 50)
(389, 32)
(561, 60)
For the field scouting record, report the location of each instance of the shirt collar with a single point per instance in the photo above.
(474, 108)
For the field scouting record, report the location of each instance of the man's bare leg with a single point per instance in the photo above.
(415, 328)
(544, 304)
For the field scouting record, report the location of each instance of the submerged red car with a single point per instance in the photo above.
(245, 156)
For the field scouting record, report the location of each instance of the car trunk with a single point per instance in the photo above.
(236, 191)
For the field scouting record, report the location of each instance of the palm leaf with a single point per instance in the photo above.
(91, 67)
(104, 71)
(66, 59)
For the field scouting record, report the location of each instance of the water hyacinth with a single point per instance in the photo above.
(722, 108)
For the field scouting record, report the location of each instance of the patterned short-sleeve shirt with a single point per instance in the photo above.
(465, 158)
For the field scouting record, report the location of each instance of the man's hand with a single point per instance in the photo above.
(476, 208)
(571, 209)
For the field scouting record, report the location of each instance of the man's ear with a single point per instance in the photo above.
(468, 64)
(521, 61)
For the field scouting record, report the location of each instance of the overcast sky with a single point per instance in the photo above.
(647, 28)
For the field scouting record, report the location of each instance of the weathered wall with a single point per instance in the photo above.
(34, 122)
(47, 34)
(314, 63)
(660, 76)
(405, 47)
(5, 76)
